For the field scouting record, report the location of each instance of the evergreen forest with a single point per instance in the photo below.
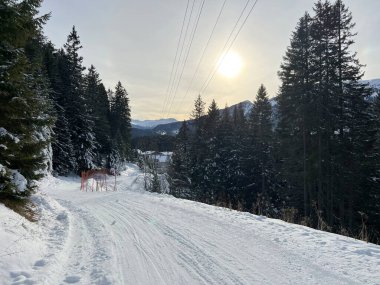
(55, 114)
(310, 155)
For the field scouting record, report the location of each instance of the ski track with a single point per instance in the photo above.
(134, 237)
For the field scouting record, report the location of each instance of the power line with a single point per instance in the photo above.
(188, 52)
(180, 54)
(204, 51)
(176, 53)
(223, 49)
(220, 62)
(226, 48)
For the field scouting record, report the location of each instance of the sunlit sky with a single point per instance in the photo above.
(136, 42)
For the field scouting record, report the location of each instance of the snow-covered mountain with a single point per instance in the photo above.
(150, 124)
(171, 126)
(246, 105)
(374, 83)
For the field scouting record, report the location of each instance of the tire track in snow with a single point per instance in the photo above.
(205, 263)
(133, 236)
(86, 250)
(156, 239)
(201, 266)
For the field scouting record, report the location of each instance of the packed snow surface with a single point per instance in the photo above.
(134, 237)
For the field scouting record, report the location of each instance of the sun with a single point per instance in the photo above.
(230, 64)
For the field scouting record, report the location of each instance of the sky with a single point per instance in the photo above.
(135, 42)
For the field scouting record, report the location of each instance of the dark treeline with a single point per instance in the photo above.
(155, 143)
(54, 114)
(315, 161)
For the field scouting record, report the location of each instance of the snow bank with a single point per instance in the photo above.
(19, 181)
(28, 249)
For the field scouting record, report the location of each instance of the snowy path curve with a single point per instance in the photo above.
(134, 237)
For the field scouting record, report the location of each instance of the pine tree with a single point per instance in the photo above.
(376, 111)
(223, 174)
(262, 130)
(211, 122)
(261, 161)
(55, 64)
(374, 204)
(25, 114)
(97, 98)
(156, 186)
(63, 151)
(77, 107)
(237, 157)
(198, 151)
(198, 115)
(346, 129)
(120, 119)
(179, 170)
(296, 114)
(325, 117)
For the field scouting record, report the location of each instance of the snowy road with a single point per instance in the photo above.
(134, 237)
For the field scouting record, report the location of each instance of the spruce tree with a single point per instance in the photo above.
(25, 116)
(198, 150)
(374, 204)
(237, 157)
(64, 161)
(262, 131)
(223, 174)
(211, 122)
(198, 115)
(325, 118)
(77, 107)
(179, 169)
(296, 116)
(258, 156)
(99, 105)
(120, 119)
(55, 64)
(346, 129)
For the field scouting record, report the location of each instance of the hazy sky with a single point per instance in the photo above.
(136, 41)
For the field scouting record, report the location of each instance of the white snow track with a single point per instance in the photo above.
(134, 237)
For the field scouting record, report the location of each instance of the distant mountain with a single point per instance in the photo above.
(374, 83)
(172, 128)
(150, 124)
(246, 105)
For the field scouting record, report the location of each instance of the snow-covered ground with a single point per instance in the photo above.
(134, 237)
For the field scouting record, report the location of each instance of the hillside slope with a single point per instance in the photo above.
(134, 237)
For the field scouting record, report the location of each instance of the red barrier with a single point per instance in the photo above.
(99, 180)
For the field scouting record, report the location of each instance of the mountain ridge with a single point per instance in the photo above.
(150, 124)
(160, 127)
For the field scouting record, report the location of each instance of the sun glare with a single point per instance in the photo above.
(230, 65)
